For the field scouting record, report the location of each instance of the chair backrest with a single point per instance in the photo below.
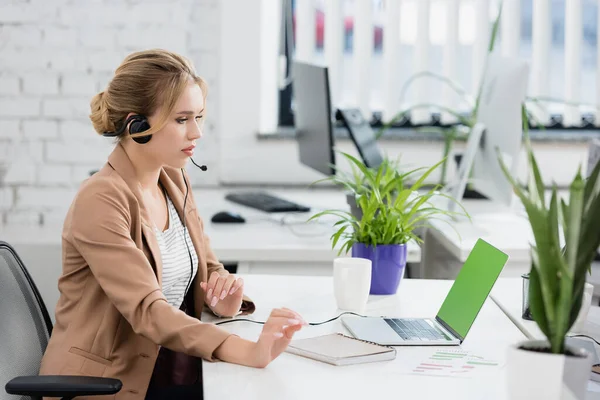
(25, 325)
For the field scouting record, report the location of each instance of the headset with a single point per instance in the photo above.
(138, 124)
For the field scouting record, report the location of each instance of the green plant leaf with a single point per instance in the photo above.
(536, 305)
(553, 219)
(455, 85)
(461, 118)
(573, 231)
(592, 186)
(536, 186)
(336, 236)
(564, 216)
(590, 234)
(516, 187)
(417, 185)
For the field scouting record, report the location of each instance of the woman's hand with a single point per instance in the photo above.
(224, 294)
(276, 335)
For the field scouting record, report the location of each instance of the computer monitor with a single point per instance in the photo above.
(499, 125)
(313, 117)
(456, 188)
(502, 96)
(362, 136)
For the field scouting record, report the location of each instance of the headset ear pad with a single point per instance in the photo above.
(138, 125)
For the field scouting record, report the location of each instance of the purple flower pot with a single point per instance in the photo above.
(388, 262)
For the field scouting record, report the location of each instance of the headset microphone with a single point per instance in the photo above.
(202, 167)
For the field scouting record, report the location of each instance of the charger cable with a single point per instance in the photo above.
(585, 336)
(310, 323)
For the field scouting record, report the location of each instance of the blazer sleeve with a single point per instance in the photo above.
(101, 232)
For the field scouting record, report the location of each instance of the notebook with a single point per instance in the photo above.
(339, 349)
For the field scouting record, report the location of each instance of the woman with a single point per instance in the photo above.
(137, 268)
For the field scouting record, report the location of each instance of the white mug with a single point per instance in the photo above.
(586, 302)
(351, 283)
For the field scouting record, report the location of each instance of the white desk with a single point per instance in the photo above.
(447, 247)
(294, 377)
(277, 243)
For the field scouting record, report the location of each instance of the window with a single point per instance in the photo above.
(467, 37)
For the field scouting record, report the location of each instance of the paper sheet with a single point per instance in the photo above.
(459, 363)
(593, 386)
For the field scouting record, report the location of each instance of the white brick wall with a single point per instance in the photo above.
(19, 106)
(6, 198)
(55, 175)
(9, 84)
(56, 54)
(35, 83)
(78, 84)
(40, 129)
(9, 129)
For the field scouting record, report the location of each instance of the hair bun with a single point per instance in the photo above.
(100, 115)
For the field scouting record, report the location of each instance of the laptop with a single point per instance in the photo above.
(454, 318)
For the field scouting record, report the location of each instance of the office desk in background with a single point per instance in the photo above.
(293, 377)
(446, 247)
(278, 243)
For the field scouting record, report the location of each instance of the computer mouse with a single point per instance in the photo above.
(227, 217)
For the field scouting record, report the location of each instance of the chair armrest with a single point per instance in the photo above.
(62, 386)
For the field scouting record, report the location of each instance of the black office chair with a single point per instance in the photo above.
(25, 328)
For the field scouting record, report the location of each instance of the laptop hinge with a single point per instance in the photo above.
(447, 327)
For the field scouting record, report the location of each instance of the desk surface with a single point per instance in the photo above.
(509, 231)
(294, 377)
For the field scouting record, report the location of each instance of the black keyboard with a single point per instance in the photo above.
(265, 202)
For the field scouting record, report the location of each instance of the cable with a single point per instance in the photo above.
(586, 336)
(185, 236)
(310, 323)
(296, 226)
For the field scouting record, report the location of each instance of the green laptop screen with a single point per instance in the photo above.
(471, 287)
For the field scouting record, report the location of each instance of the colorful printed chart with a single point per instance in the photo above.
(459, 363)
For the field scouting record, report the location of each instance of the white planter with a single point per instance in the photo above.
(536, 375)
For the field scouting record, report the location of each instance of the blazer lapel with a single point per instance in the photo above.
(178, 198)
(121, 163)
(150, 237)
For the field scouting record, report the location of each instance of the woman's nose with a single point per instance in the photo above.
(196, 131)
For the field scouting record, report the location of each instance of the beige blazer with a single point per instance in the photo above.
(112, 317)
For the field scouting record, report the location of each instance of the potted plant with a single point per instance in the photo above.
(391, 214)
(566, 238)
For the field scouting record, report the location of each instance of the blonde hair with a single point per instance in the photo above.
(144, 81)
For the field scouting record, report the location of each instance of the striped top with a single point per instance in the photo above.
(175, 257)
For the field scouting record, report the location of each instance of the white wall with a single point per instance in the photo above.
(56, 54)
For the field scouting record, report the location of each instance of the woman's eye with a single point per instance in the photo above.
(181, 120)
(200, 117)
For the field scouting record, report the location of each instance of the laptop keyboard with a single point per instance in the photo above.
(414, 329)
